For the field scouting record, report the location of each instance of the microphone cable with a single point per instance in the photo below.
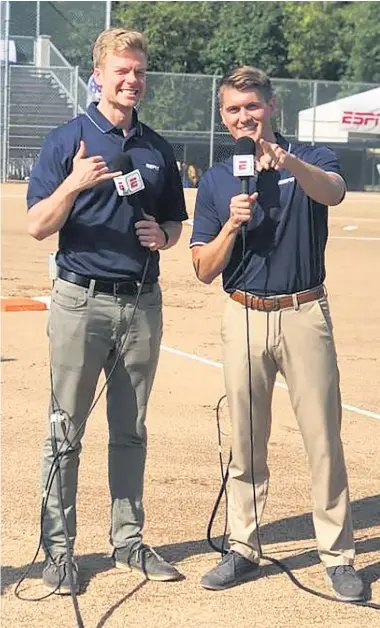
(60, 416)
(225, 474)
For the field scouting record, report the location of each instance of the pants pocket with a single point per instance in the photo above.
(324, 311)
(68, 295)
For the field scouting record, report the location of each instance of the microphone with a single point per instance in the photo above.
(244, 161)
(130, 184)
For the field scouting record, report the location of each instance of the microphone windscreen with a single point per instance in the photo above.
(123, 162)
(244, 158)
(245, 146)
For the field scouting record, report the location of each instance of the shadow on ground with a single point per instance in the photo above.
(366, 514)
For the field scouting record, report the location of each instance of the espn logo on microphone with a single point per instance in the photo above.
(130, 183)
(244, 165)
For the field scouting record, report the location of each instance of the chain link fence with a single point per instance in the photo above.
(185, 109)
(40, 89)
(64, 22)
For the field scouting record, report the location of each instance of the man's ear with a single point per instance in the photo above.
(221, 115)
(272, 104)
(97, 74)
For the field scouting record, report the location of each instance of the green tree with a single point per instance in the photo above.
(73, 27)
(362, 37)
(177, 102)
(177, 32)
(315, 43)
(249, 33)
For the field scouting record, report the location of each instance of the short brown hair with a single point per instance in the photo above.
(245, 77)
(117, 40)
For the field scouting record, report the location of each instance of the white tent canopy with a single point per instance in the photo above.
(337, 120)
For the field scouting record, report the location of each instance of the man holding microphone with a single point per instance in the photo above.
(94, 323)
(280, 281)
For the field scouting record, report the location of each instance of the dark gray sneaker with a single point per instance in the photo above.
(345, 583)
(55, 576)
(233, 569)
(144, 559)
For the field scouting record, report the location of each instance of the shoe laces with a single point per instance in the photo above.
(62, 561)
(340, 570)
(145, 551)
(230, 557)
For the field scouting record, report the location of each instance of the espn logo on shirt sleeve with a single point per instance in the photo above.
(130, 183)
(244, 165)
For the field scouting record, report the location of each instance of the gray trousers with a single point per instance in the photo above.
(86, 331)
(298, 342)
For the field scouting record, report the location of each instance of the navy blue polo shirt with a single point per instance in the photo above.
(285, 239)
(99, 239)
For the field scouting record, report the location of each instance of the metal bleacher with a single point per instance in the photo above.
(37, 104)
(42, 94)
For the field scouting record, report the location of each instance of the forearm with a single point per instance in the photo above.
(324, 187)
(174, 230)
(210, 259)
(49, 215)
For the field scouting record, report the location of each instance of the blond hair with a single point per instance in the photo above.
(117, 40)
(245, 78)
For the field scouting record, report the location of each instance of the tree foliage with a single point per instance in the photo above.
(248, 33)
(314, 38)
(305, 40)
(177, 32)
(362, 21)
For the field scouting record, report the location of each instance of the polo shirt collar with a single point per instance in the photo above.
(105, 126)
(281, 141)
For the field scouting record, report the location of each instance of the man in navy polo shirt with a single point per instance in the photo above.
(103, 249)
(280, 281)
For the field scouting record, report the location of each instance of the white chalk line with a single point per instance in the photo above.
(192, 356)
(358, 238)
(351, 219)
(197, 358)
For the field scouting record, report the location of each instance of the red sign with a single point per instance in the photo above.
(367, 121)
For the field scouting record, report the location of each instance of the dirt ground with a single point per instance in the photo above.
(182, 477)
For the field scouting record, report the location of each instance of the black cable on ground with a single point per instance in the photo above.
(58, 415)
(225, 474)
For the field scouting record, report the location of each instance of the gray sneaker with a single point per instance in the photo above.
(233, 569)
(55, 576)
(345, 583)
(144, 559)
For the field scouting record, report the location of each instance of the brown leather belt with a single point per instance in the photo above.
(272, 304)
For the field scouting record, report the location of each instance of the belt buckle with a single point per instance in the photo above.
(118, 288)
(123, 288)
(274, 304)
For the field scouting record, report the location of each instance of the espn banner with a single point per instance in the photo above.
(361, 121)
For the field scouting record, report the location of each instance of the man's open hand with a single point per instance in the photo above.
(89, 171)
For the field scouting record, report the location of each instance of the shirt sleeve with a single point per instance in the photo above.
(206, 224)
(172, 204)
(327, 160)
(48, 172)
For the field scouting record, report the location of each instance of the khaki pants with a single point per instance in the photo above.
(297, 342)
(86, 331)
